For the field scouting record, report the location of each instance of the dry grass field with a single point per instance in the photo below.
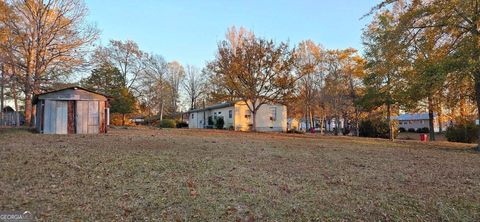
(198, 175)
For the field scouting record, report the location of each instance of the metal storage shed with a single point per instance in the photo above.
(72, 110)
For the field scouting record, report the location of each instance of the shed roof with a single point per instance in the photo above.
(74, 88)
(63, 94)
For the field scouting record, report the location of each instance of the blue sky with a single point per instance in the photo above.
(188, 31)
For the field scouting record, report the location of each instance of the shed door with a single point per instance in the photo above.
(87, 117)
(55, 114)
(93, 117)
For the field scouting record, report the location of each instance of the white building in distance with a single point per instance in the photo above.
(237, 116)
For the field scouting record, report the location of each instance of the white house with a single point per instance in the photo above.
(237, 116)
(418, 121)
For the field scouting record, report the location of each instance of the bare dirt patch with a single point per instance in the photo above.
(152, 174)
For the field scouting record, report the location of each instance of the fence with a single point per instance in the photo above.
(10, 118)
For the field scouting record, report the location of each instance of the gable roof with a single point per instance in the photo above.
(85, 94)
(73, 88)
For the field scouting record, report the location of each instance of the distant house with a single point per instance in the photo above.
(418, 121)
(72, 110)
(237, 116)
(137, 120)
(9, 117)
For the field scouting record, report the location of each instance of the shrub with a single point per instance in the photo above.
(375, 128)
(345, 131)
(210, 121)
(116, 120)
(464, 133)
(295, 131)
(167, 123)
(402, 130)
(219, 123)
(423, 130)
(411, 130)
(182, 125)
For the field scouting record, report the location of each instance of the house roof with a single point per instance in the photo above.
(74, 88)
(8, 109)
(413, 116)
(216, 106)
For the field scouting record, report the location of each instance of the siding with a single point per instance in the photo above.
(264, 123)
(238, 120)
(88, 117)
(55, 117)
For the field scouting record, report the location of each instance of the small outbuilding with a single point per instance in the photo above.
(72, 110)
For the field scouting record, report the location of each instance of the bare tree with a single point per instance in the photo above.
(258, 71)
(49, 35)
(155, 87)
(127, 57)
(176, 74)
(194, 85)
(309, 56)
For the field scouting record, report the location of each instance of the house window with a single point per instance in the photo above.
(248, 114)
(192, 116)
(230, 114)
(273, 113)
(219, 113)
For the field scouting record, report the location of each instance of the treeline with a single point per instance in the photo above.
(47, 45)
(138, 82)
(418, 55)
(424, 55)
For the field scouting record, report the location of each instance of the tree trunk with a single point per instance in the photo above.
(29, 86)
(15, 102)
(322, 124)
(161, 111)
(2, 88)
(439, 120)
(123, 119)
(312, 125)
(2, 96)
(254, 122)
(345, 123)
(305, 118)
(28, 108)
(463, 108)
(357, 124)
(337, 124)
(431, 119)
(17, 113)
(477, 99)
(389, 119)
